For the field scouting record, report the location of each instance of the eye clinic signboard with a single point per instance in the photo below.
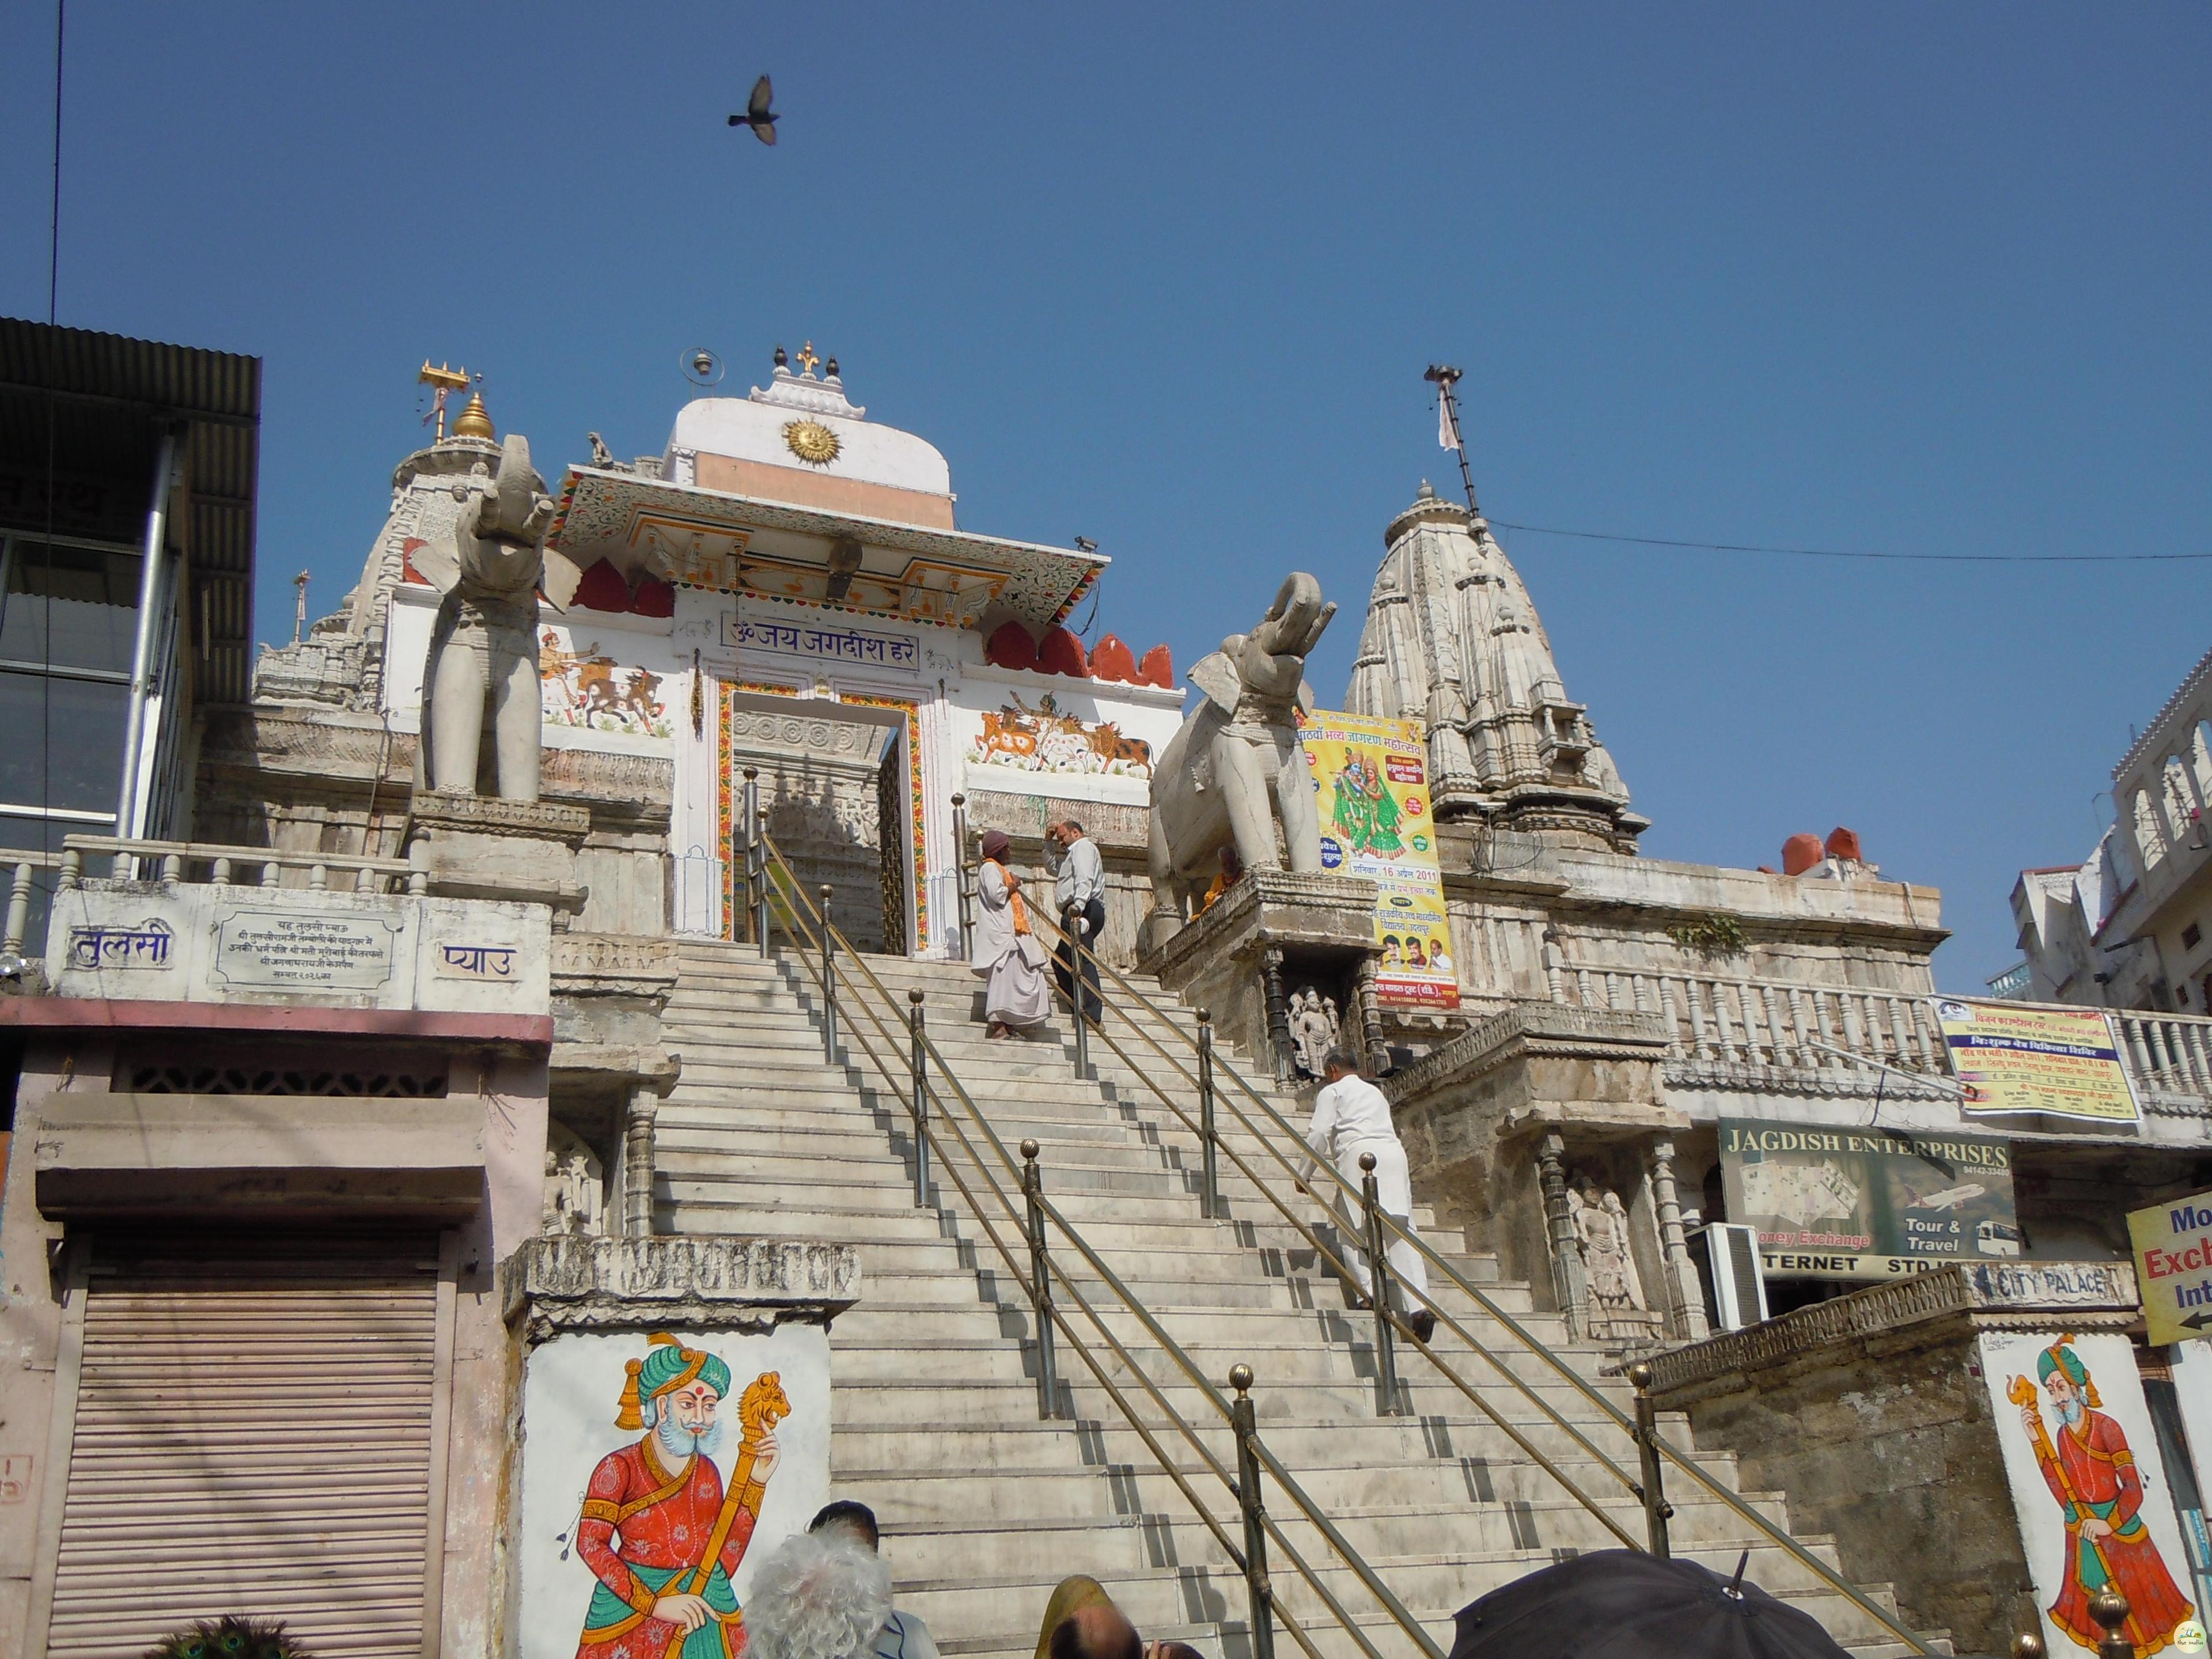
(2058, 1062)
(1868, 1204)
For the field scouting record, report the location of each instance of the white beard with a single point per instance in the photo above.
(679, 1441)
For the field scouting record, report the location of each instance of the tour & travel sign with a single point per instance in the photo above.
(1868, 1204)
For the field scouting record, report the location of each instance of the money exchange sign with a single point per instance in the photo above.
(1858, 1204)
(2062, 1062)
(2173, 1266)
(1372, 776)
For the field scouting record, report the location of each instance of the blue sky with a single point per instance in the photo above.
(1887, 277)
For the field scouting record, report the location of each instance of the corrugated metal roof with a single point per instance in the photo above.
(99, 398)
(218, 386)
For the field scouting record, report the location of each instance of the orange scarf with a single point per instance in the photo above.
(1013, 898)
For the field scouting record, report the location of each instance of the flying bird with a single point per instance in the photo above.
(757, 116)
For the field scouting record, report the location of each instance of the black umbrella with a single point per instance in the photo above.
(1623, 1604)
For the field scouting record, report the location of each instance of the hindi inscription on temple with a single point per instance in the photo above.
(276, 951)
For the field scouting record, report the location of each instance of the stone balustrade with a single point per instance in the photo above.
(1717, 1020)
(214, 865)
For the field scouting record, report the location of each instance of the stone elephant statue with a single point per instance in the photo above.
(1236, 768)
(483, 646)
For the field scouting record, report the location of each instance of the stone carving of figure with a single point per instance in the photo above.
(1609, 1262)
(575, 1185)
(483, 646)
(1313, 1030)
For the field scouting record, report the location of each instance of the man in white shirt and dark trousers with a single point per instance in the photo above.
(1079, 894)
(1350, 1117)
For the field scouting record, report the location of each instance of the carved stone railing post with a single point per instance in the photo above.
(1555, 967)
(1568, 1283)
(1686, 1302)
(637, 1162)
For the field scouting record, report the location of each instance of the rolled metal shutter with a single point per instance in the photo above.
(253, 1434)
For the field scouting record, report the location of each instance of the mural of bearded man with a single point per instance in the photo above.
(2093, 1474)
(658, 1530)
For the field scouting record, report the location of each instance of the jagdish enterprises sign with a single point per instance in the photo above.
(1860, 1203)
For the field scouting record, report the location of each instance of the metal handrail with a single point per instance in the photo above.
(1343, 1270)
(1311, 1511)
(1660, 1445)
(1060, 1321)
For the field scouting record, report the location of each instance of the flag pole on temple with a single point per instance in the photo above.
(1448, 433)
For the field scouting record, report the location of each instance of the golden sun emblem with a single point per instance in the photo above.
(812, 441)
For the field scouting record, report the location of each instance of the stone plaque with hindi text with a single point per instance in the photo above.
(276, 951)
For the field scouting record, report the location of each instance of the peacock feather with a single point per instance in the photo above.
(229, 1638)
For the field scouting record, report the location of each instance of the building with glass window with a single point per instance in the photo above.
(114, 451)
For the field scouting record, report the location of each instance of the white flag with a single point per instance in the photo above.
(1447, 427)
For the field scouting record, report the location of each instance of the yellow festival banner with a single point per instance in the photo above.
(2061, 1062)
(1372, 778)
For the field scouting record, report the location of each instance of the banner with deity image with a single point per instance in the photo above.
(1372, 776)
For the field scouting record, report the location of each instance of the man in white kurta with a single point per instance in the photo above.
(1350, 1117)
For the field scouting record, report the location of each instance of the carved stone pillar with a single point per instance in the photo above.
(1374, 1050)
(1568, 1283)
(1555, 967)
(637, 1163)
(1279, 1015)
(1686, 1300)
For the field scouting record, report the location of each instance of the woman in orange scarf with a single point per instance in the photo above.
(1005, 954)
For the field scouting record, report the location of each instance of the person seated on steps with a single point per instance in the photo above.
(903, 1636)
(1082, 1622)
(1351, 1117)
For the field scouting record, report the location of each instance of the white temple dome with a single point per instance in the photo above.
(802, 441)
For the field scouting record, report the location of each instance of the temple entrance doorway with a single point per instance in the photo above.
(836, 779)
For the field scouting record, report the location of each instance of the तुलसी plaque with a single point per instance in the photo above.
(310, 951)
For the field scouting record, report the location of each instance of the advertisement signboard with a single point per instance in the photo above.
(2061, 1062)
(1372, 778)
(1868, 1204)
(2173, 1266)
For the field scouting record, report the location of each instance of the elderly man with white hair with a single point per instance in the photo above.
(819, 1596)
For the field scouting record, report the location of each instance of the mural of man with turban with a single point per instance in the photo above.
(2093, 1474)
(656, 1530)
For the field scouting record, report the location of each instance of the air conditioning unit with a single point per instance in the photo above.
(1729, 1269)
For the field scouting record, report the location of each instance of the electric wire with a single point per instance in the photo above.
(1850, 553)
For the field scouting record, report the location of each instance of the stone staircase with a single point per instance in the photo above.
(984, 1506)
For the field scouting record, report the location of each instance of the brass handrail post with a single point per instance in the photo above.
(760, 888)
(2110, 1608)
(963, 877)
(828, 982)
(1244, 1419)
(918, 1065)
(1073, 935)
(756, 864)
(1209, 1137)
(1657, 1509)
(1040, 1281)
(1378, 1290)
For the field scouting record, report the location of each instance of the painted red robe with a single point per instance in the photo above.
(642, 1529)
(2103, 1473)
